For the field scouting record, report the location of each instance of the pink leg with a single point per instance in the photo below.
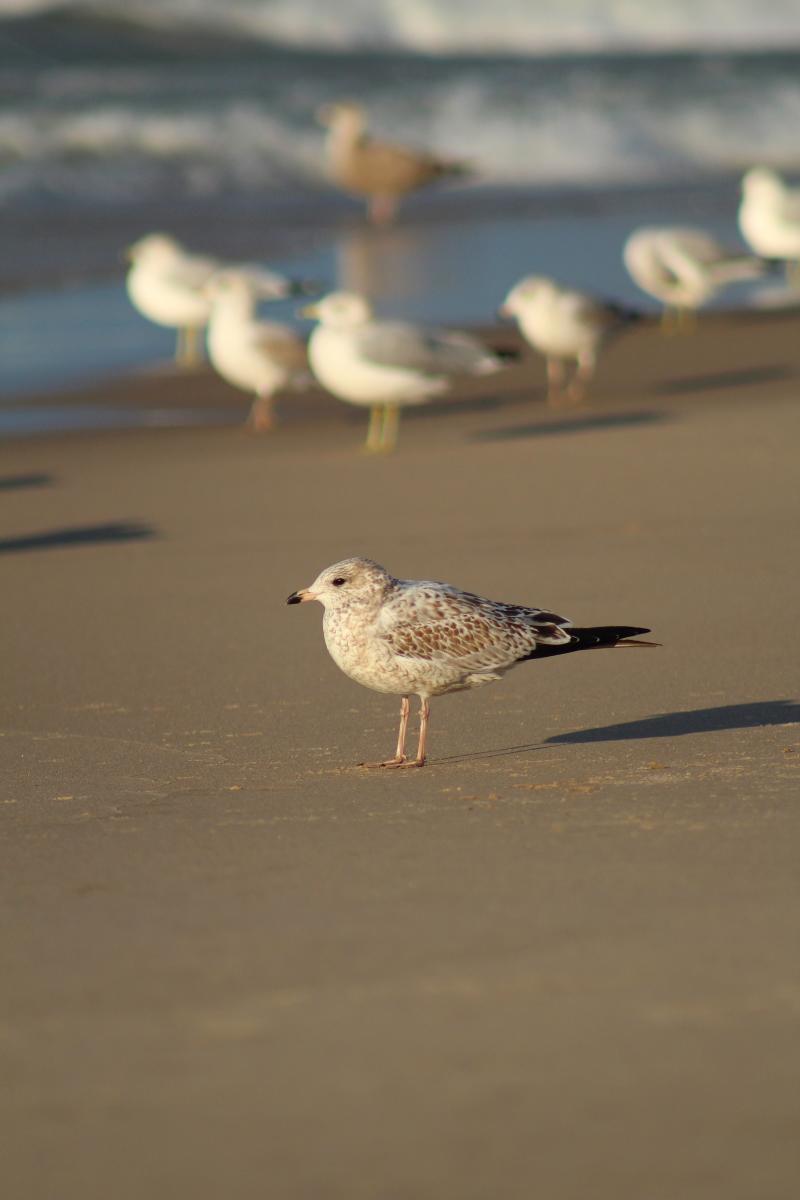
(381, 209)
(424, 713)
(580, 382)
(399, 759)
(555, 380)
(262, 415)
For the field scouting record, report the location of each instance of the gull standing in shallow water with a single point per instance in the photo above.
(261, 357)
(684, 268)
(166, 285)
(381, 171)
(386, 365)
(415, 637)
(564, 326)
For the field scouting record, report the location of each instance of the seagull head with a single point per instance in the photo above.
(250, 283)
(154, 248)
(353, 582)
(529, 291)
(343, 116)
(340, 310)
(762, 184)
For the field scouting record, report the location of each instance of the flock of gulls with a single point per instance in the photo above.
(389, 365)
(418, 637)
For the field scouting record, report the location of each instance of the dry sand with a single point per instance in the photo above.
(559, 962)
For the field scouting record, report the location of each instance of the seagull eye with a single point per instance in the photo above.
(338, 582)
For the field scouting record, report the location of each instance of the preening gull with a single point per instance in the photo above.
(684, 268)
(166, 284)
(415, 637)
(565, 326)
(381, 171)
(769, 215)
(385, 365)
(261, 357)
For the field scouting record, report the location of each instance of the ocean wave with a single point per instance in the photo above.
(513, 27)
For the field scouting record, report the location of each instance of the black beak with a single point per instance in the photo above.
(295, 598)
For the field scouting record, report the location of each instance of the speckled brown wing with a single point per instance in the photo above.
(382, 168)
(466, 631)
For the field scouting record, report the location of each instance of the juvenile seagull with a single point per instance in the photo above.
(385, 365)
(769, 216)
(408, 636)
(381, 171)
(684, 268)
(261, 357)
(166, 284)
(565, 326)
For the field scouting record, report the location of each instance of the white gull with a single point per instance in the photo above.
(386, 365)
(684, 268)
(166, 285)
(566, 326)
(416, 637)
(260, 357)
(769, 215)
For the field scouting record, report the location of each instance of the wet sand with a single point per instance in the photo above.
(561, 960)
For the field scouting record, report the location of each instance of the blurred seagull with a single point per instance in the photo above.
(165, 283)
(684, 268)
(386, 365)
(565, 326)
(769, 216)
(415, 637)
(381, 171)
(260, 357)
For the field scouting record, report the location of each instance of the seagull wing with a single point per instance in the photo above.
(431, 352)
(433, 622)
(283, 347)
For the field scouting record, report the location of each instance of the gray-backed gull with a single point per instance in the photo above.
(769, 216)
(684, 269)
(416, 637)
(565, 326)
(386, 365)
(166, 284)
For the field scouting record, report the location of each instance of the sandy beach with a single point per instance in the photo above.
(561, 960)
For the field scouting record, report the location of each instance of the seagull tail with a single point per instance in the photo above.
(599, 637)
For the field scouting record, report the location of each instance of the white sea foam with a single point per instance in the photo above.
(472, 26)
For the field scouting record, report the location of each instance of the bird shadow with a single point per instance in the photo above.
(701, 720)
(685, 385)
(577, 424)
(10, 483)
(80, 535)
(754, 715)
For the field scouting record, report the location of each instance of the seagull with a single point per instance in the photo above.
(769, 215)
(381, 171)
(415, 637)
(165, 283)
(260, 357)
(684, 268)
(385, 365)
(565, 326)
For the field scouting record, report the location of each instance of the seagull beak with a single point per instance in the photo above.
(301, 597)
(309, 310)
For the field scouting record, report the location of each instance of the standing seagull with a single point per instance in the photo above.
(385, 365)
(166, 284)
(381, 171)
(684, 268)
(415, 637)
(565, 326)
(261, 357)
(769, 216)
